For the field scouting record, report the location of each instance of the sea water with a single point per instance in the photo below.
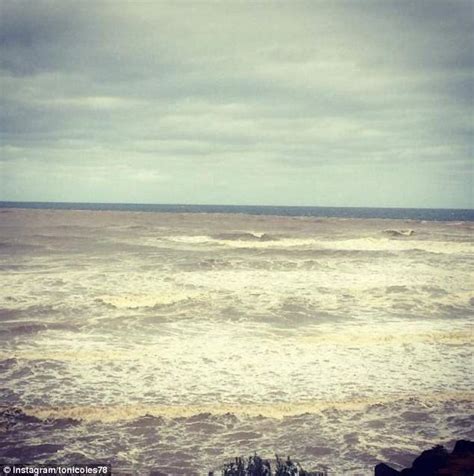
(175, 339)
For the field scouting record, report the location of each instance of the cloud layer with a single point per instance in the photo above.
(295, 103)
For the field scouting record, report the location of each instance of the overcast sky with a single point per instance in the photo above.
(337, 103)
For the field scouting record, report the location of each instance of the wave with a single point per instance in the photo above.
(238, 241)
(33, 327)
(237, 238)
(115, 413)
(244, 236)
(7, 363)
(138, 301)
(377, 338)
(18, 247)
(401, 233)
(8, 360)
(28, 310)
(10, 416)
(368, 244)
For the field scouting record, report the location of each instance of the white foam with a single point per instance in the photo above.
(136, 301)
(357, 244)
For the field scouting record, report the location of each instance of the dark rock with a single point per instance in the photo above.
(461, 461)
(437, 462)
(383, 470)
(463, 447)
(430, 461)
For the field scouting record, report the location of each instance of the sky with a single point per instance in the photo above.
(318, 103)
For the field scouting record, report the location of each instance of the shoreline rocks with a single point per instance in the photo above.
(437, 462)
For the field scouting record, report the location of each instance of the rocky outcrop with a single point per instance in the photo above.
(437, 462)
(383, 470)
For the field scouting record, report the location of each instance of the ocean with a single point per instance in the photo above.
(171, 338)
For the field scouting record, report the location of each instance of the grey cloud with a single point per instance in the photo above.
(295, 89)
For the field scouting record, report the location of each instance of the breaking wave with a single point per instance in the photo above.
(137, 301)
(114, 413)
(402, 233)
(33, 328)
(352, 244)
(244, 236)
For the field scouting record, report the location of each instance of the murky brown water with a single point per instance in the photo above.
(174, 341)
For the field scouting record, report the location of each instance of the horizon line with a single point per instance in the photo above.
(228, 205)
